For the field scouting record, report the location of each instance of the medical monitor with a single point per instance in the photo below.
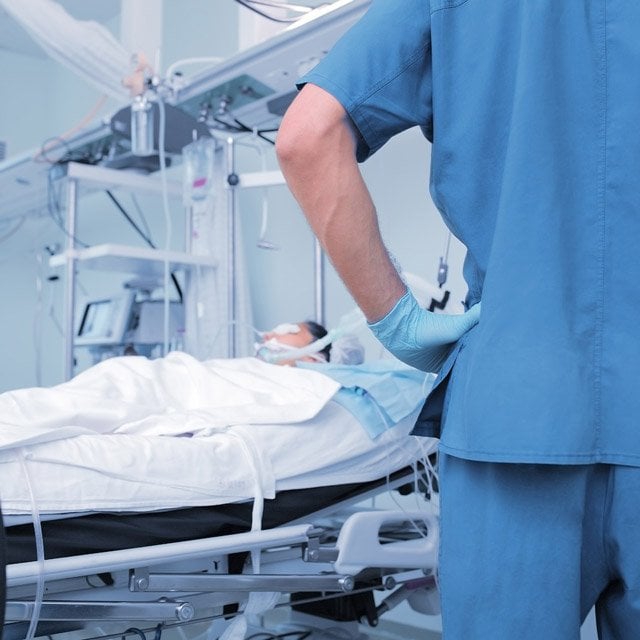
(105, 321)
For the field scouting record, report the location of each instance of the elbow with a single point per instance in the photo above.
(297, 142)
(290, 145)
(314, 127)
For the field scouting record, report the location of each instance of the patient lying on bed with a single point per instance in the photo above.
(174, 395)
(227, 410)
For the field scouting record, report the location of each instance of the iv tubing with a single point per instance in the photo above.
(231, 248)
(37, 528)
(167, 218)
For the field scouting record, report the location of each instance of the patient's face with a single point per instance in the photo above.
(301, 338)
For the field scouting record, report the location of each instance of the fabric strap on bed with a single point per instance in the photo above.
(3, 574)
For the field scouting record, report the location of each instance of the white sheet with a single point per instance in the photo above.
(286, 433)
(168, 396)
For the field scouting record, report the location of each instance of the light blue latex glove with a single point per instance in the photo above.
(421, 338)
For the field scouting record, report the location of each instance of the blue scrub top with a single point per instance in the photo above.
(533, 109)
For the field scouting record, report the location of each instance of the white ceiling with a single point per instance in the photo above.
(14, 38)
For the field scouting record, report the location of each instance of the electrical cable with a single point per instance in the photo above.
(263, 243)
(426, 464)
(430, 471)
(51, 306)
(53, 207)
(238, 323)
(448, 246)
(47, 145)
(297, 635)
(258, 132)
(395, 501)
(229, 126)
(248, 4)
(443, 265)
(41, 155)
(38, 318)
(130, 220)
(144, 236)
(240, 127)
(143, 218)
(281, 4)
(14, 230)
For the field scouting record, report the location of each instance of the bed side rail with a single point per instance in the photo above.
(360, 545)
(75, 566)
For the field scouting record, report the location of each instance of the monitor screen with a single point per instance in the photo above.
(104, 321)
(97, 320)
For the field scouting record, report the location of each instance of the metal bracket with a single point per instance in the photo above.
(313, 552)
(17, 610)
(142, 580)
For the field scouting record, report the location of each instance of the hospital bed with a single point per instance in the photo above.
(143, 532)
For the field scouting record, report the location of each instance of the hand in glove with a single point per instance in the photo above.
(421, 338)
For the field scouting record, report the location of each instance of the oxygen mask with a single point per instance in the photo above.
(274, 350)
(271, 348)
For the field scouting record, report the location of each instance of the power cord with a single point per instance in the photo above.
(144, 236)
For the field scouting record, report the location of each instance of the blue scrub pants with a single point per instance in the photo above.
(527, 549)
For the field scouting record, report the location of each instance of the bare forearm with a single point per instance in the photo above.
(327, 183)
(340, 211)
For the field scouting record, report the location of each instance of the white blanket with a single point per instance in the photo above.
(175, 395)
(99, 442)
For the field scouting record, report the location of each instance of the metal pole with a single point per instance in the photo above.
(188, 229)
(232, 182)
(319, 283)
(70, 279)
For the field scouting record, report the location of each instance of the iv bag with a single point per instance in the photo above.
(198, 169)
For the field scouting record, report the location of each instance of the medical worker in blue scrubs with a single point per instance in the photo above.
(533, 111)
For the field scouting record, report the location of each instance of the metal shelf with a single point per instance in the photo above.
(139, 260)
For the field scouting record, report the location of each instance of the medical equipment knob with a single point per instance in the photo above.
(389, 583)
(142, 584)
(347, 583)
(185, 612)
(443, 269)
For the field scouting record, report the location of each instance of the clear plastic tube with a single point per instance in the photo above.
(167, 219)
(37, 528)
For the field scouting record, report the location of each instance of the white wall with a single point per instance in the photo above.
(25, 111)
